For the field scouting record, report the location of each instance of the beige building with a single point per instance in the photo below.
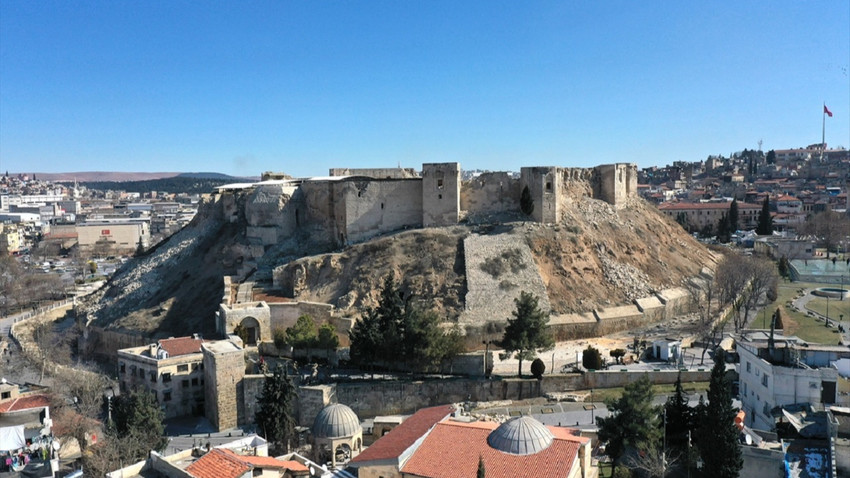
(701, 214)
(173, 369)
(113, 237)
(10, 239)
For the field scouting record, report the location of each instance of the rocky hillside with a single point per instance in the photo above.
(599, 256)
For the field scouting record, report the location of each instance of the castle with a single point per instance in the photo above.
(354, 205)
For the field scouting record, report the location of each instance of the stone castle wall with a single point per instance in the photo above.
(224, 369)
(490, 194)
(440, 194)
(285, 314)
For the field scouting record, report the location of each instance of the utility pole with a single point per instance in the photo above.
(664, 448)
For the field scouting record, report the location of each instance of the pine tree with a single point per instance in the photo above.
(274, 416)
(482, 472)
(679, 417)
(723, 234)
(783, 266)
(733, 216)
(633, 421)
(527, 333)
(526, 203)
(765, 224)
(718, 443)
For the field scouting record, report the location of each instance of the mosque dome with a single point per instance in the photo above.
(336, 421)
(521, 436)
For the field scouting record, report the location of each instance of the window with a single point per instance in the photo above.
(440, 183)
(166, 396)
(121, 367)
(257, 472)
(195, 382)
(185, 384)
(183, 368)
(548, 186)
(166, 377)
(153, 376)
(745, 389)
(749, 366)
(764, 380)
(6, 395)
(195, 366)
(141, 373)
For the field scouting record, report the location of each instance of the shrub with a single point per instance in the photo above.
(538, 368)
(591, 358)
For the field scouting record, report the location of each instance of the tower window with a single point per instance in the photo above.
(548, 186)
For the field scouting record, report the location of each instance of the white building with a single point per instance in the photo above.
(789, 371)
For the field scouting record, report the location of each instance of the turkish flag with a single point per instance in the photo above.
(826, 110)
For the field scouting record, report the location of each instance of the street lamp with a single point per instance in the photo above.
(827, 312)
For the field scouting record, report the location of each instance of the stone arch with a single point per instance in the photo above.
(252, 330)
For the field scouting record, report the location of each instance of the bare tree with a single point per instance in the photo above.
(762, 276)
(741, 282)
(651, 460)
(828, 227)
(78, 402)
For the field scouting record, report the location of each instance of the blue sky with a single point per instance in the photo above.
(299, 87)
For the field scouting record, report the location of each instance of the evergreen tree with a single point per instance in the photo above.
(591, 358)
(275, 410)
(679, 417)
(527, 333)
(482, 472)
(138, 414)
(718, 444)
(783, 266)
(366, 340)
(765, 224)
(633, 421)
(327, 339)
(771, 157)
(140, 248)
(723, 234)
(733, 216)
(526, 203)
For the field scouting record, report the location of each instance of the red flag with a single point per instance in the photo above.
(826, 110)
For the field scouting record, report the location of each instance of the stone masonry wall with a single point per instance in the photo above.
(490, 297)
(490, 194)
(374, 207)
(285, 314)
(440, 194)
(224, 367)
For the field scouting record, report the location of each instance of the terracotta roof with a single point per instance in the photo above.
(400, 438)
(181, 346)
(464, 443)
(218, 463)
(224, 463)
(25, 403)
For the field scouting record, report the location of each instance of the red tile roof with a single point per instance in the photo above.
(25, 403)
(704, 205)
(391, 445)
(218, 463)
(181, 346)
(224, 463)
(462, 444)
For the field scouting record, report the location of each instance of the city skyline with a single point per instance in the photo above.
(300, 88)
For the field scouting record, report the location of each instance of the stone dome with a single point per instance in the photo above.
(521, 436)
(336, 421)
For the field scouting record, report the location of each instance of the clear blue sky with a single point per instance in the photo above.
(301, 86)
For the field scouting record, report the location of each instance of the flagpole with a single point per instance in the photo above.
(823, 132)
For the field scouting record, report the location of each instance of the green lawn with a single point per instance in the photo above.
(601, 394)
(836, 307)
(799, 324)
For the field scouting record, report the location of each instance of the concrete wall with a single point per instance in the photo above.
(490, 193)
(440, 194)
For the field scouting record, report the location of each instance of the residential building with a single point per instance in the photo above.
(702, 214)
(786, 370)
(173, 369)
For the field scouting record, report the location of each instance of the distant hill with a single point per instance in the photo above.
(119, 176)
(177, 184)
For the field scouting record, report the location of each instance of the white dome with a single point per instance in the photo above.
(336, 421)
(521, 436)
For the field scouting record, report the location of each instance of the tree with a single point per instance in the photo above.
(538, 368)
(275, 410)
(140, 248)
(527, 333)
(617, 354)
(682, 219)
(733, 216)
(679, 417)
(633, 420)
(784, 267)
(46, 340)
(526, 203)
(591, 358)
(718, 443)
(829, 227)
(723, 230)
(771, 157)
(137, 414)
(482, 471)
(77, 406)
(303, 334)
(327, 339)
(765, 223)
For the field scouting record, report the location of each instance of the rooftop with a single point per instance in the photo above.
(181, 346)
(400, 438)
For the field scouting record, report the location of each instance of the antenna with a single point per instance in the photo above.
(760, 141)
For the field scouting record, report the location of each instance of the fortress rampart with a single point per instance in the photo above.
(354, 205)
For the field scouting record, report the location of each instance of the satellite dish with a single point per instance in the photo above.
(748, 439)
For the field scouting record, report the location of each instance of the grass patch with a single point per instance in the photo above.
(836, 307)
(798, 323)
(600, 395)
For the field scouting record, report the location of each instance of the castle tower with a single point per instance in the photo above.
(543, 184)
(224, 369)
(440, 194)
(614, 183)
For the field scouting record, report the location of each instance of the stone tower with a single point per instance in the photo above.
(543, 184)
(224, 370)
(440, 194)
